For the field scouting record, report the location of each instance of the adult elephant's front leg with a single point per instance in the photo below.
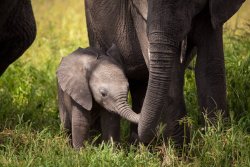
(210, 69)
(137, 91)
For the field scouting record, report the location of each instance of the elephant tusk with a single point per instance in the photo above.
(183, 49)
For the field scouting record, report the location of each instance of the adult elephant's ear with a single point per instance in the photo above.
(222, 10)
(72, 78)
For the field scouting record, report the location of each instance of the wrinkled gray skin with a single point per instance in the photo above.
(154, 30)
(90, 84)
(17, 30)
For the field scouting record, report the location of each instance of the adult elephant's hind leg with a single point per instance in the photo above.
(210, 70)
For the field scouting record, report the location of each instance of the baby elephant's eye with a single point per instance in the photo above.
(103, 92)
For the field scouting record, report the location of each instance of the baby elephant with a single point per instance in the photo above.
(87, 79)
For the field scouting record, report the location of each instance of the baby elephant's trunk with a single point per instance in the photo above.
(123, 109)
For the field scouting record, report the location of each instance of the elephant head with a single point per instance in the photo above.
(168, 23)
(89, 74)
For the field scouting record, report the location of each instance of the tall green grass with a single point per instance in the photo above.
(30, 133)
(238, 77)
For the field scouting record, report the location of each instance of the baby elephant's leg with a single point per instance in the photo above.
(110, 124)
(64, 102)
(80, 125)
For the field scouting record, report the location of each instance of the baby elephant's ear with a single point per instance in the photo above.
(71, 75)
(115, 53)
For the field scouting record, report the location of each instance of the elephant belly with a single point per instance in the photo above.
(128, 44)
(135, 64)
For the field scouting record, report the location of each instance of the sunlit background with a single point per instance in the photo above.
(241, 18)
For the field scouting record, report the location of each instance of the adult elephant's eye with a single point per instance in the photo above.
(103, 92)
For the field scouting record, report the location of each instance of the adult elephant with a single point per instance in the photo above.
(155, 30)
(17, 30)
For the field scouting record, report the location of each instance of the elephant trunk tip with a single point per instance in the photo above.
(137, 118)
(145, 134)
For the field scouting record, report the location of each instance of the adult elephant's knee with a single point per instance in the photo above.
(18, 31)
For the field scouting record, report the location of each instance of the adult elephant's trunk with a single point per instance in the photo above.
(164, 45)
(123, 109)
(162, 54)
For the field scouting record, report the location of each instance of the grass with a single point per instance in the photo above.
(30, 133)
